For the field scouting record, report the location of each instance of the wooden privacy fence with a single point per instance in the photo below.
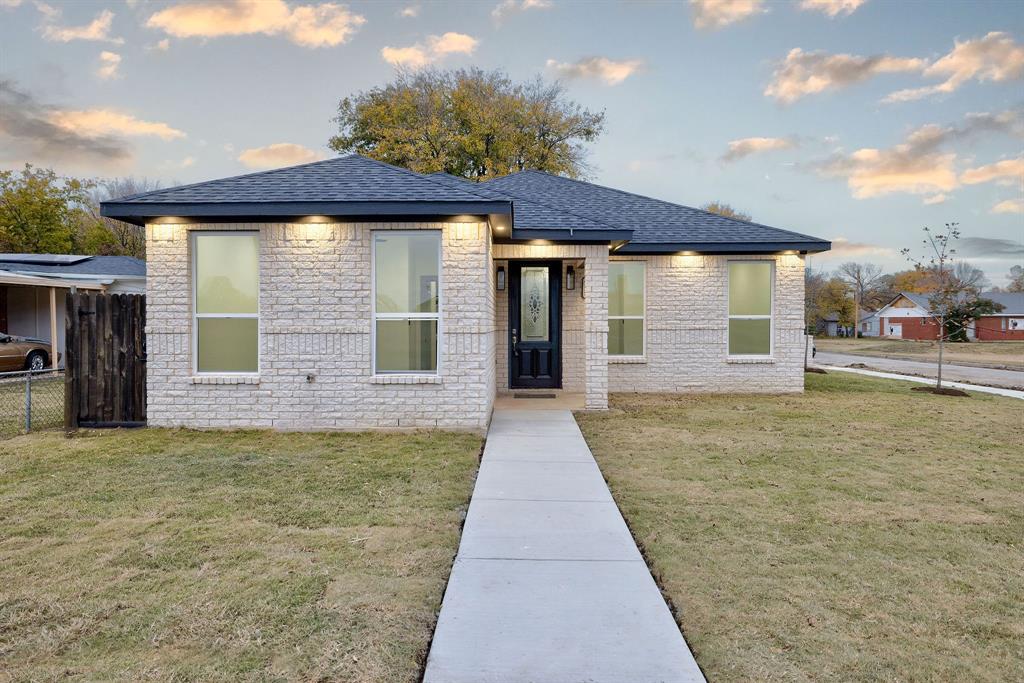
(105, 378)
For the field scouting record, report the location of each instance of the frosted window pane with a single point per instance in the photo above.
(533, 303)
(227, 273)
(750, 337)
(406, 345)
(228, 345)
(407, 272)
(750, 288)
(626, 288)
(625, 337)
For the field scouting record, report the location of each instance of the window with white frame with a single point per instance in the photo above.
(225, 286)
(750, 308)
(626, 308)
(406, 301)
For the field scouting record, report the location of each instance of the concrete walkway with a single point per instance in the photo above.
(548, 585)
(998, 391)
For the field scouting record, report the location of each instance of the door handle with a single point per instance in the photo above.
(515, 342)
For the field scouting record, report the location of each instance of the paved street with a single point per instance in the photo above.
(1011, 379)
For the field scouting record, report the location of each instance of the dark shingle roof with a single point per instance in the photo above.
(652, 221)
(544, 206)
(123, 266)
(1012, 302)
(352, 178)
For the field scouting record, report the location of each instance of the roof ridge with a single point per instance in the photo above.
(556, 208)
(421, 176)
(661, 201)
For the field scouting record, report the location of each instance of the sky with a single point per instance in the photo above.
(859, 121)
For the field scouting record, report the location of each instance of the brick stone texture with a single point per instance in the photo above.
(316, 319)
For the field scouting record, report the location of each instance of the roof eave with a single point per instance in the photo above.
(586, 236)
(802, 247)
(140, 213)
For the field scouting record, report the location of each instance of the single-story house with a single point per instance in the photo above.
(33, 289)
(1007, 324)
(828, 326)
(869, 324)
(349, 293)
(908, 316)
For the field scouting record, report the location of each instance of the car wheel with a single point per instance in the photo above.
(36, 361)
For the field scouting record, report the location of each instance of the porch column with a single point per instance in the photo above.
(596, 327)
(53, 327)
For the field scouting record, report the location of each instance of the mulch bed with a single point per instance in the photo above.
(944, 391)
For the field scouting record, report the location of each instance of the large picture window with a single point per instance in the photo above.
(225, 285)
(750, 308)
(626, 308)
(406, 301)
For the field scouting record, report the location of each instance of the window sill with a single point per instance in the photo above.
(626, 360)
(406, 379)
(751, 360)
(225, 379)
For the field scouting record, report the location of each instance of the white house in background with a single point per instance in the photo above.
(33, 289)
(869, 324)
(349, 294)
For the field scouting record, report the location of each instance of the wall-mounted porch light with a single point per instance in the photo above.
(570, 278)
(500, 278)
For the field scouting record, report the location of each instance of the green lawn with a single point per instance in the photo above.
(857, 532)
(180, 555)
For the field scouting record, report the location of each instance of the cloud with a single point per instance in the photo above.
(417, 56)
(325, 25)
(920, 164)
(607, 70)
(508, 7)
(1009, 206)
(27, 131)
(10, 4)
(93, 122)
(842, 248)
(160, 45)
(935, 199)
(97, 29)
(278, 155)
(452, 42)
(715, 14)
(109, 63)
(49, 12)
(995, 57)
(410, 12)
(1008, 169)
(738, 149)
(988, 246)
(806, 73)
(184, 163)
(833, 8)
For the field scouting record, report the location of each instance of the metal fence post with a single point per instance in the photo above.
(28, 401)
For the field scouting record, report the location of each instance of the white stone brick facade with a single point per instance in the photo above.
(687, 330)
(315, 320)
(316, 368)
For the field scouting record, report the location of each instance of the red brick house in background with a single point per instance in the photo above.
(908, 317)
(1007, 324)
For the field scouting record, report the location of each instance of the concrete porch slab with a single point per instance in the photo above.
(546, 530)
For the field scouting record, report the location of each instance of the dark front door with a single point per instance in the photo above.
(535, 324)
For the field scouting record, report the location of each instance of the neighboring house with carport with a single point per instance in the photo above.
(33, 289)
(349, 293)
(907, 316)
(1005, 325)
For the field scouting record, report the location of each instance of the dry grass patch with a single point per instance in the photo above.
(857, 532)
(180, 555)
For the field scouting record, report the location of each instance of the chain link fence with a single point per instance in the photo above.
(31, 401)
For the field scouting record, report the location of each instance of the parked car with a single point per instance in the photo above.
(24, 353)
